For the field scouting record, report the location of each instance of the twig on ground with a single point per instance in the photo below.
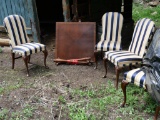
(64, 75)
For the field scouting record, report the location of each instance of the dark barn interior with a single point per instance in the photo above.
(51, 11)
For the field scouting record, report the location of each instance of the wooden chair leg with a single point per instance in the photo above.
(95, 57)
(105, 60)
(130, 67)
(45, 57)
(118, 70)
(156, 112)
(123, 86)
(13, 60)
(102, 54)
(29, 58)
(26, 63)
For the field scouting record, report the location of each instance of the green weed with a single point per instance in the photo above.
(3, 114)
(139, 11)
(28, 111)
(107, 98)
(62, 99)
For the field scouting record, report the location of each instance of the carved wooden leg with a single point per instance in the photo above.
(26, 63)
(29, 57)
(156, 113)
(95, 57)
(13, 59)
(118, 70)
(102, 54)
(130, 67)
(45, 57)
(123, 86)
(105, 60)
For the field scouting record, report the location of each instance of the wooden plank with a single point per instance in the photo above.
(1, 13)
(22, 9)
(34, 20)
(4, 9)
(4, 42)
(17, 7)
(27, 19)
(13, 7)
(9, 7)
(2, 29)
(75, 40)
(25, 8)
(29, 30)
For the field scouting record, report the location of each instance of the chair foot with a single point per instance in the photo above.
(104, 76)
(13, 60)
(46, 67)
(26, 63)
(123, 86)
(45, 57)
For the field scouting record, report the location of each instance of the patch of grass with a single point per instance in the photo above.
(62, 99)
(140, 11)
(25, 114)
(28, 111)
(101, 102)
(7, 86)
(3, 114)
(106, 101)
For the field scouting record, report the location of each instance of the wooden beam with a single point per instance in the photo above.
(66, 10)
(4, 42)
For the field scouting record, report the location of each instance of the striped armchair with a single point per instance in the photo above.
(142, 35)
(138, 76)
(112, 23)
(20, 43)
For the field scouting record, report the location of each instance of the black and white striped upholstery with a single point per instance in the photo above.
(111, 32)
(136, 76)
(20, 43)
(142, 35)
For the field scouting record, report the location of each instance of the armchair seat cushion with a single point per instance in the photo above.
(123, 58)
(136, 76)
(28, 48)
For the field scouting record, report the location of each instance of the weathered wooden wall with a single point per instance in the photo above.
(25, 8)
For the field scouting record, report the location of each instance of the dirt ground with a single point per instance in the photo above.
(21, 90)
(77, 74)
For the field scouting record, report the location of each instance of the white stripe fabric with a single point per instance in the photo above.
(16, 28)
(112, 23)
(123, 58)
(20, 43)
(28, 48)
(142, 35)
(136, 76)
